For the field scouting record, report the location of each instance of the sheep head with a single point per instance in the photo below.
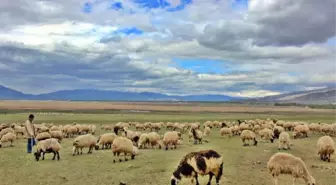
(37, 155)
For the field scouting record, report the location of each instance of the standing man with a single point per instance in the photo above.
(30, 133)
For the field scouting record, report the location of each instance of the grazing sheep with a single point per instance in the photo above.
(266, 134)
(71, 130)
(204, 162)
(42, 136)
(83, 141)
(47, 146)
(207, 131)
(143, 141)
(300, 130)
(197, 135)
(92, 129)
(124, 145)
(326, 147)
(235, 130)
(283, 163)
(9, 137)
(170, 138)
(134, 136)
(248, 135)
(84, 129)
(5, 131)
(19, 130)
(226, 131)
(284, 141)
(54, 128)
(154, 139)
(105, 140)
(57, 134)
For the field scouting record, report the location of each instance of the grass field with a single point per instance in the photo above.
(242, 165)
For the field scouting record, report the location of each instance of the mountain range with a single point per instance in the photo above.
(320, 96)
(102, 95)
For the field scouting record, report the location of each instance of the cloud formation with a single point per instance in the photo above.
(267, 48)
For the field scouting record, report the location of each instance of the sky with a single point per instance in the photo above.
(240, 48)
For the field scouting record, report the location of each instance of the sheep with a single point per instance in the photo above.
(134, 136)
(154, 138)
(284, 141)
(207, 131)
(284, 163)
(5, 131)
(326, 147)
(143, 141)
(92, 129)
(300, 130)
(83, 141)
(124, 145)
(248, 135)
(226, 131)
(19, 130)
(47, 146)
(9, 137)
(57, 134)
(170, 138)
(42, 136)
(54, 128)
(266, 134)
(197, 135)
(235, 130)
(204, 162)
(105, 140)
(84, 129)
(71, 130)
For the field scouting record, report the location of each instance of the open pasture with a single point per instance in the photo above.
(242, 165)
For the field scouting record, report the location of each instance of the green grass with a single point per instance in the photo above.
(242, 165)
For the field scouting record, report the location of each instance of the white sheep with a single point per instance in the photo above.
(204, 162)
(170, 138)
(143, 141)
(207, 131)
(57, 134)
(326, 147)
(266, 134)
(124, 145)
(5, 131)
(226, 131)
(83, 141)
(9, 137)
(284, 141)
(47, 146)
(42, 136)
(283, 163)
(105, 140)
(197, 135)
(248, 135)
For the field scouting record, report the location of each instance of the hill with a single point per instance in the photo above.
(101, 95)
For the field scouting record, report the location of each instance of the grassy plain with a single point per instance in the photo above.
(242, 165)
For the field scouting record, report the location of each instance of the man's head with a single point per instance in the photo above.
(31, 117)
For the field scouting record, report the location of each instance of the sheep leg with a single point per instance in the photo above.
(125, 156)
(58, 156)
(54, 155)
(43, 155)
(275, 180)
(210, 178)
(294, 179)
(196, 178)
(329, 158)
(81, 151)
(118, 154)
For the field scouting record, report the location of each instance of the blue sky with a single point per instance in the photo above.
(237, 48)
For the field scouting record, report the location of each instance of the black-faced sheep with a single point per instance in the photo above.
(205, 162)
(83, 141)
(326, 147)
(283, 163)
(9, 137)
(124, 145)
(47, 146)
(248, 135)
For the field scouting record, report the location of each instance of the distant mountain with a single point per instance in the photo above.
(101, 95)
(319, 96)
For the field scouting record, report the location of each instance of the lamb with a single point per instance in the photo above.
(248, 135)
(47, 146)
(226, 131)
(105, 140)
(283, 163)
(57, 134)
(284, 141)
(42, 136)
(124, 145)
(204, 162)
(83, 141)
(170, 138)
(326, 147)
(9, 137)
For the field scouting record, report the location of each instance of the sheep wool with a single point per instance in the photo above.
(124, 145)
(5, 131)
(9, 137)
(42, 136)
(284, 141)
(326, 147)
(57, 134)
(47, 146)
(83, 141)
(204, 162)
(283, 163)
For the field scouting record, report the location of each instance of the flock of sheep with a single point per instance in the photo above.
(121, 139)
